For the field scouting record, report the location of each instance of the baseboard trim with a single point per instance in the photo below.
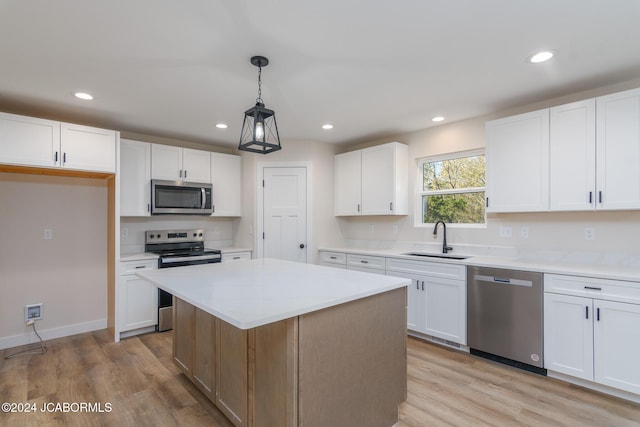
(52, 333)
(622, 394)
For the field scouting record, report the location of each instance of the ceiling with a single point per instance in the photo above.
(372, 68)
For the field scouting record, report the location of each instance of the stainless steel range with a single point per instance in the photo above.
(177, 248)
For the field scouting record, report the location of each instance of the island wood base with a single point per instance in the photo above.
(345, 365)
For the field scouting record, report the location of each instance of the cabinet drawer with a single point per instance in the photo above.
(333, 258)
(130, 267)
(437, 269)
(605, 289)
(236, 256)
(366, 261)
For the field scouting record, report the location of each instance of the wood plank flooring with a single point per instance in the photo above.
(143, 386)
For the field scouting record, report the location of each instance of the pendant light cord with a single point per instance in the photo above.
(259, 99)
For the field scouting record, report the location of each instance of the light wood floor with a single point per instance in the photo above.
(144, 387)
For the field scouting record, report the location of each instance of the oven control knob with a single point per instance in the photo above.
(158, 236)
(200, 235)
(195, 234)
(151, 236)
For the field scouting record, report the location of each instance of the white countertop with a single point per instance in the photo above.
(586, 265)
(261, 291)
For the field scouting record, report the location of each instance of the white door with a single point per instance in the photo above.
(285, 213)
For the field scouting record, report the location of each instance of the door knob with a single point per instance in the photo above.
(301, 245)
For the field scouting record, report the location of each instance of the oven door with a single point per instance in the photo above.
(177, 197)
(182, 261)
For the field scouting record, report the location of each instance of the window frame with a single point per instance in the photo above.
(420, 182)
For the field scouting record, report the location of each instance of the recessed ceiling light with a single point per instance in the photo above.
(83, 95)
(327, 126)
(221, 125)
(437, 119)
(541, 56)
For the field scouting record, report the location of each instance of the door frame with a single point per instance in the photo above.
(259, 221)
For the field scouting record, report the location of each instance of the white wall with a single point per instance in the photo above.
(68, 273)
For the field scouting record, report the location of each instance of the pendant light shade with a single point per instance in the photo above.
(259, 128)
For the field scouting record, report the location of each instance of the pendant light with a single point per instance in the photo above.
(259, 128)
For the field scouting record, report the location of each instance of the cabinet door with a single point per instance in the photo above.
(568, 335)
(517, 156)
(166, 162)
(348, 182)
(378, 183)
(87, 148)
(137, 303)
(232, 372)
(617, 345)
(196, 166)
(135, 176)
(618, 150)
(29, 141)
(226, 178)
(183, 335)
(446, 309)
(204, 353)
(416, 302)
(572, 156)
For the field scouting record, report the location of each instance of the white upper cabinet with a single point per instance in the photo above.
(226, 178)
(517, 156)
(572, 156)
(180, 164)
(135, 178)
(618, 150)
(29, 141)
(372, 181)
(348, 183)
(87, 148)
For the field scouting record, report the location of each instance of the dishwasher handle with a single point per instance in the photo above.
(502, 280)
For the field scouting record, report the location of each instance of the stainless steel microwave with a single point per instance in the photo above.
(178, 197)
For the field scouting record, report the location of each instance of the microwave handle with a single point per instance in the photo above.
(204, 198)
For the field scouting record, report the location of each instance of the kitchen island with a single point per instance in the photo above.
(277, 343)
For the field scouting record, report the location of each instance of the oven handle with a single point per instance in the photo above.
(188, 258)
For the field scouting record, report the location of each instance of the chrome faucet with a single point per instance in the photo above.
(445, 248)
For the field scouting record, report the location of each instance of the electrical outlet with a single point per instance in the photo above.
(506, 232)
(32, 312)
(524, 232)
(48, 234)
(589, 233)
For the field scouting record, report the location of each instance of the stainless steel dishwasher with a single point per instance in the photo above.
(504, 316)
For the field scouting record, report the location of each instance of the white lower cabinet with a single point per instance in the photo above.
(333, 259)
(366, 263)
(137, 299)
(592, 330)
(236, 256)
(437, 297)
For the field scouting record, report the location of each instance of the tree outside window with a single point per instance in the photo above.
(453, 188)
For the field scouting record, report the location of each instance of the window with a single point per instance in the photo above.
(452, 188)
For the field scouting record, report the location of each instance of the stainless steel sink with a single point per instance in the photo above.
(426, 255)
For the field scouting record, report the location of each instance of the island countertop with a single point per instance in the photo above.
(253, 293)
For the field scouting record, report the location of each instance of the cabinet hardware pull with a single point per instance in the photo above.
(148, 207)
(185, 174)
(586, 311)
(139, 267)
(417, 284)
(333, 257)
(364, 261)
(423, 285)
(56, 160)
(487, 202)
(180, 173)
(358, 207)
(236, 257)
(64, 158)
(590, 197)
(598, 314)
(593, 288)
(599, 196)
(391, 206)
